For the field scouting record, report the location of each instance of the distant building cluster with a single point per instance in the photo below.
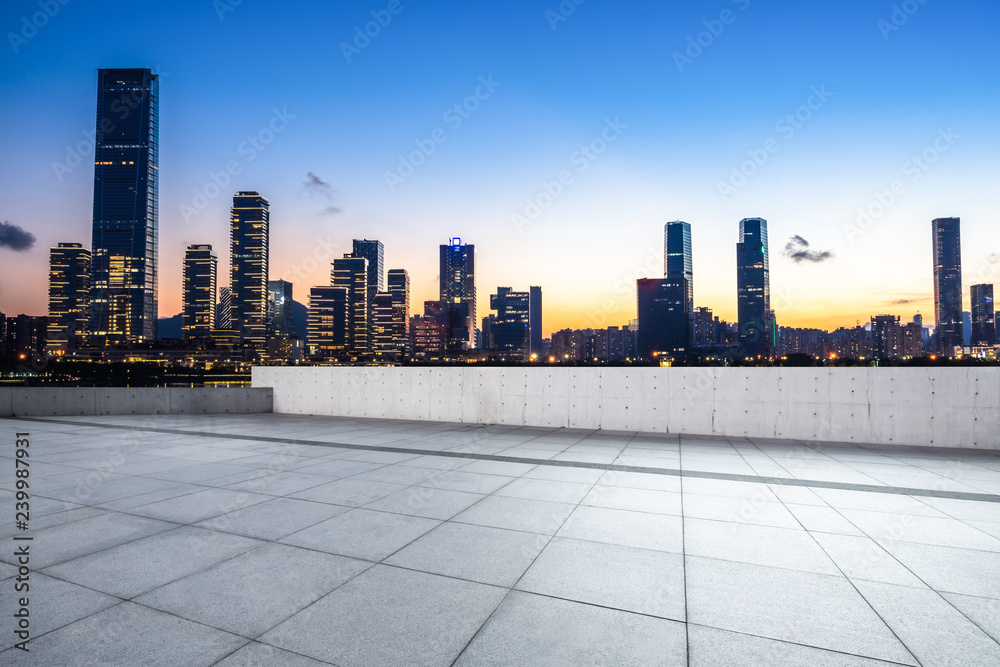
(103, 301)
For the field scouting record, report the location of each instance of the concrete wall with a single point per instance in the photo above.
(66, 401)
(947, 407)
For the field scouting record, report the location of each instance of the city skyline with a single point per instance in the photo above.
(327, 181)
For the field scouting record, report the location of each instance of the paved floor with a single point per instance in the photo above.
(288, 540)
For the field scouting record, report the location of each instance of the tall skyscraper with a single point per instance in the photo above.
(69, 298)
(248, 238)
(374, 252)
(280, 319)
(887, 337)
(753, 289)
(399, 288)
(458, 283)
(947, 284)
(664, 321)
(123, 298)
(677, 258)
(983, 316)
(199, 291)
(327, 329)
(351, 273)
(535, 321)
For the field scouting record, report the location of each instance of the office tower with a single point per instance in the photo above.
(69, 298)
(677, 258)
(753, 290)
(535, 321)
(27, 335)
(327, 335)
(947, 284)
(224, 310)
(123, 298)
(705, 327)
(983, 316)
(375, 254)
(199, 291)
(458, 284)
(887, 337)
(399, 288)
(351, 273)
(385, 329)
(280, 318)
(664, 320)
(429, 339)
(510, 330)
(248, 238)
(913, 341)
(453, 319)
(3, 335)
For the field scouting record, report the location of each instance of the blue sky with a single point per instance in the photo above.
(890, 90)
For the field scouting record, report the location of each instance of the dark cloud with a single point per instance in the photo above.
(901, 302)
(797, 250)
(315, 185)
(329, 210)
(15, 238)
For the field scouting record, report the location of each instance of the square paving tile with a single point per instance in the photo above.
(427, 502)
(760, 545)
(251, 593)
(559, 632)
(637, 580)
(534, 516)
(199, 506)
(428, 622)
(362, 534)
(350, 492)
(477, 553)
(642, 530)
(273, 519)
(711, 647)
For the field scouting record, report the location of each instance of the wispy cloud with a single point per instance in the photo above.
(15, 238)
(797, 250)
(315, 185)
(329, 210)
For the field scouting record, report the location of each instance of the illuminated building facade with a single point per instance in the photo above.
(753, 290)
(201, 266)
(458, 285)
(947, 284)
(326, 336)
(351, 273)
(69, 298)
(126, 208)
(280, 318)
(983, 316)
(248, 238)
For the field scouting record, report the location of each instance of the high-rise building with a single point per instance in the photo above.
(947, 284)
(664, 320)
(887, 337)
(248, 238)
(706, 327)
(123, 298)
(535, 321)
(453, 319)
(385, 329)
(429, 339)
(753, 290)
(913, 341)
(458, 284)
(374, 252)
(677, 259)
(280, 318)
(327, 335)
(351, 273)
(510, 329)
(199, 291)
(69, 298)
(224, 310)
(399, 288)
(983, 316)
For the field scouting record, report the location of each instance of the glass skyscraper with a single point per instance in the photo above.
(983, 316)
(753, 289)
(199, 291)
(664, 322)
(948, 329)
(351, 273)
(69, 297)
(248, 238)
(280, 318)
(458, 284)
(677, 261)
(123, 299)
(374, 252)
